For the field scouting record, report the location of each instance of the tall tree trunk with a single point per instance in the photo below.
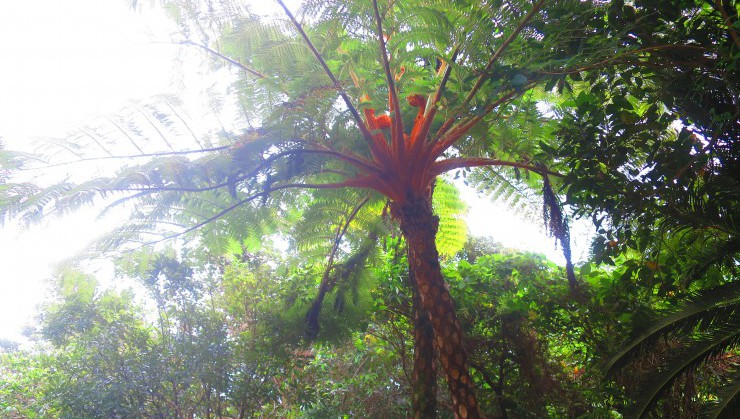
(424, 384)
(419, 227)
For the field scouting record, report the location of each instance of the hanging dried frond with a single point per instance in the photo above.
(557, 226)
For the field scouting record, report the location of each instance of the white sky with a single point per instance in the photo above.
(64, 62)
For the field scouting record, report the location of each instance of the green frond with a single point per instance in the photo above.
(451, 210)
(703, 327)
(507, 190)
(14, 200)
(136, 131)
(326, 211)
(347, 283)
(683, 359)
(729, 401)
(708, 309)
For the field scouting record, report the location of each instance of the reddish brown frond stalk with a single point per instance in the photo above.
(351, 158)
(397, 129)
(417, 101)
(375, 183)
(355, 114)
(445, 69)
(449, 139)
(451, 164)
(379, 145)
(445, 126)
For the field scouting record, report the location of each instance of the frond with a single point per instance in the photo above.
(705, 326)
(683, 359)
(729, 401)
(322, 214)
(451, 210)
(503, 188)
(14, 200)
(139, 131)
(701, 312)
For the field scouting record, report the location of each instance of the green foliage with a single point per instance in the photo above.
(24, 379)
(699, 332)
(630, 107)
(534, 349)
(450, 209)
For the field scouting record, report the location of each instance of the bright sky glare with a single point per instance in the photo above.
(65, 62)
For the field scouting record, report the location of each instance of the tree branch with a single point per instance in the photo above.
(728, 21)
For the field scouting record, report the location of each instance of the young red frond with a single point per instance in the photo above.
(383, 121)
(417, 100)
(378, 146)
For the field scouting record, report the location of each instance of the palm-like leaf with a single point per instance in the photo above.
(706, 325)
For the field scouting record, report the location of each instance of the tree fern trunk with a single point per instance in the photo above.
(419, 226)
(424, 385)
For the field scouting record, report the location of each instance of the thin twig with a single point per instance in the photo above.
(87, 133)
(154, 125)
(125, 133)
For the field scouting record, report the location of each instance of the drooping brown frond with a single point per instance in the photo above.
(557, 225)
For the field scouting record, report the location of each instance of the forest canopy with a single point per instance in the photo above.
(314, 262)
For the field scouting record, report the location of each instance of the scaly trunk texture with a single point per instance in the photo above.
(419, 226)
(424, 385)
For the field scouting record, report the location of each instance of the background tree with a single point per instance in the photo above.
(665, 150)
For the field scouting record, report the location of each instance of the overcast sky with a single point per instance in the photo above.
(64, 62)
